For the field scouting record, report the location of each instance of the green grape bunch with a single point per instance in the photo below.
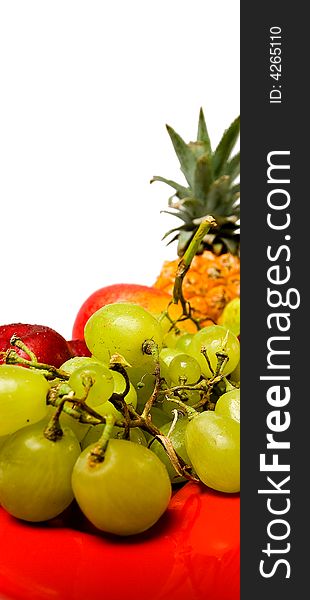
(145, 411)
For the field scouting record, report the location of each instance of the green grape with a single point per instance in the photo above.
(119, 388)
(215, 338)
(22, 397)
(2, 439)
(184, 341)
(35, 473)
(189, 397)
(93, 435)
(102, 381)
(165, 357)
(66, 420)
(80, 429)
(184, 368)
(175, 312)
(171, 338)
(159, 417)
(77, 361)
(165, 322)
(230, 317)
(122, 328)
(213, 446)
(235, 374)
(178, 442)
(126, 493)
(108, 408)
(228, 404)
(143, 381)
(136, 435)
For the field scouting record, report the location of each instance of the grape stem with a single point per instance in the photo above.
(174, 422)
(204, 386)
(184, 265)
(150, 347)
(16, 341)
(205, 355)
(11, 357)
(78, 410)
(53, 430)
(176, 460)
(97, 453)
(222, 357)
(189, 411)
(118, 364)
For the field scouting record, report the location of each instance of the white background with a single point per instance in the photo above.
(87, 87)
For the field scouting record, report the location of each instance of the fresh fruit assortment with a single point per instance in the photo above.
(134, 424)
(42, 457)
(83, 448)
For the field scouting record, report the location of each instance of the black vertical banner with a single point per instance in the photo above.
(275, 432)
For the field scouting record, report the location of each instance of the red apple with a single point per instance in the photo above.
(49, 346)
(78, 348)
(150, 298)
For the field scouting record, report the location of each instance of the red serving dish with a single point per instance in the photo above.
(192, 553)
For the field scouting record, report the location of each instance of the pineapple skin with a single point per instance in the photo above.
(210, 283)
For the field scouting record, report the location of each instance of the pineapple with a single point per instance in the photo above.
(210, 189)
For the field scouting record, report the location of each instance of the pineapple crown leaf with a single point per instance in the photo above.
(203, 177)
(181, 190)
(185, 155)
(219, 196)
(230, 244)
(235, 190)
(176, 229)
(202, 133)
(184, 239)
(184, 216)
(211, 187)
(225, 147)
(233, 167)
